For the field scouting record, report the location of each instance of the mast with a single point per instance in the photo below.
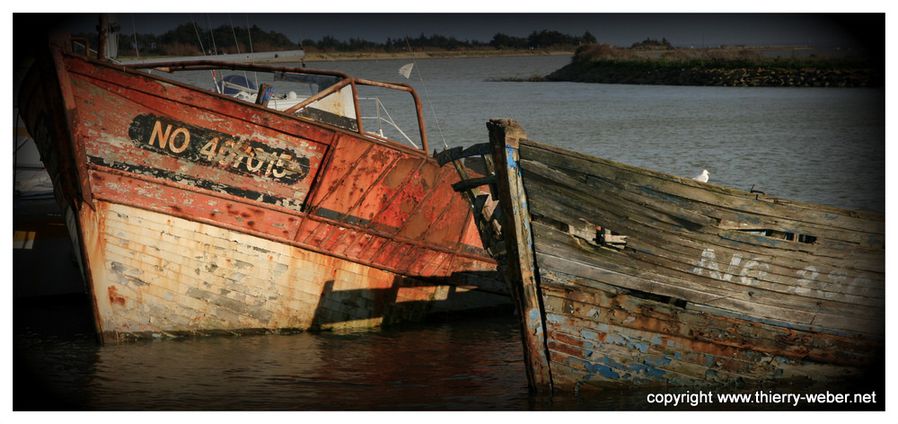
(103, 41)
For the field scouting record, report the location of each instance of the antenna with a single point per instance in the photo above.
(237, 45)
(198, 38)
(249, 34)
(433, 112)
(212, 35)
(134, 35)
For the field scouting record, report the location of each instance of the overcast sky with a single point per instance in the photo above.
(619, 29)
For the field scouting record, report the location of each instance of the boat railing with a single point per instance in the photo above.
(341, 81)
(382, 116)
(250, 90)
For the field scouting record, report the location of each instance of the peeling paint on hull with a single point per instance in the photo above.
(199, 214)
(165, 276)
(634, 277)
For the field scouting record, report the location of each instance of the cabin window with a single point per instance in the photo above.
(233, 84)
(288, 90)
(337, 109)
(389, 114)
(381, 110)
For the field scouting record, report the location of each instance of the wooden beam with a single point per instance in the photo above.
(521, 269)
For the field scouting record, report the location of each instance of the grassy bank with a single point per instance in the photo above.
(330, 56)
(732, 67)
(429, 54)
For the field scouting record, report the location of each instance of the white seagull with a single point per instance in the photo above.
(703, 177)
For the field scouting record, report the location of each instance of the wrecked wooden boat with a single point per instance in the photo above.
(626, 275)
(195, 212)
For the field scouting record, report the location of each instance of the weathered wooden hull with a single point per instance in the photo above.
(158, 274)
(199, 213)
(631, 276)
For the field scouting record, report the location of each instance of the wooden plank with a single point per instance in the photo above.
(629, 311)
(663, 265)
(649, 232)
(703, 192)
(165, 275)
(666, 204)
(743, 360)
(553, 243)
(504, 137)
(740, 303)
(616, 354)
(568, 193)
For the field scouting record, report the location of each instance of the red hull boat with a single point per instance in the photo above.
(195, 212)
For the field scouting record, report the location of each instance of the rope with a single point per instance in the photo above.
(433, 112)
(250, 35)
(198, 38)
(237, 45)
(134, 35)
(197, 31)
(234, 31)
(212, 35)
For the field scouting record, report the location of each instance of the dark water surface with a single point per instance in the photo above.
(818, 145)
(474, 363)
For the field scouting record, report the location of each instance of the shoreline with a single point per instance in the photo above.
(704, 75)
(432, 54)
(343, 56)
(724, 67)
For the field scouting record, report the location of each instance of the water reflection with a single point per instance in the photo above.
(469, 364)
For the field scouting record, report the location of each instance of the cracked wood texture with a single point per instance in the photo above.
(711, 286)
(201, 213)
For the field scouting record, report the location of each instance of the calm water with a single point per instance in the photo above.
(813, 144)
(818, 145)
(466, 364)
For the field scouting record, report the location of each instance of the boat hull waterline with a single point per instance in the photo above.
(196, 213)
(630, 276)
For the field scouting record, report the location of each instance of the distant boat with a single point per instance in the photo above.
(200, 213)
(629, 276)
(236, 85)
